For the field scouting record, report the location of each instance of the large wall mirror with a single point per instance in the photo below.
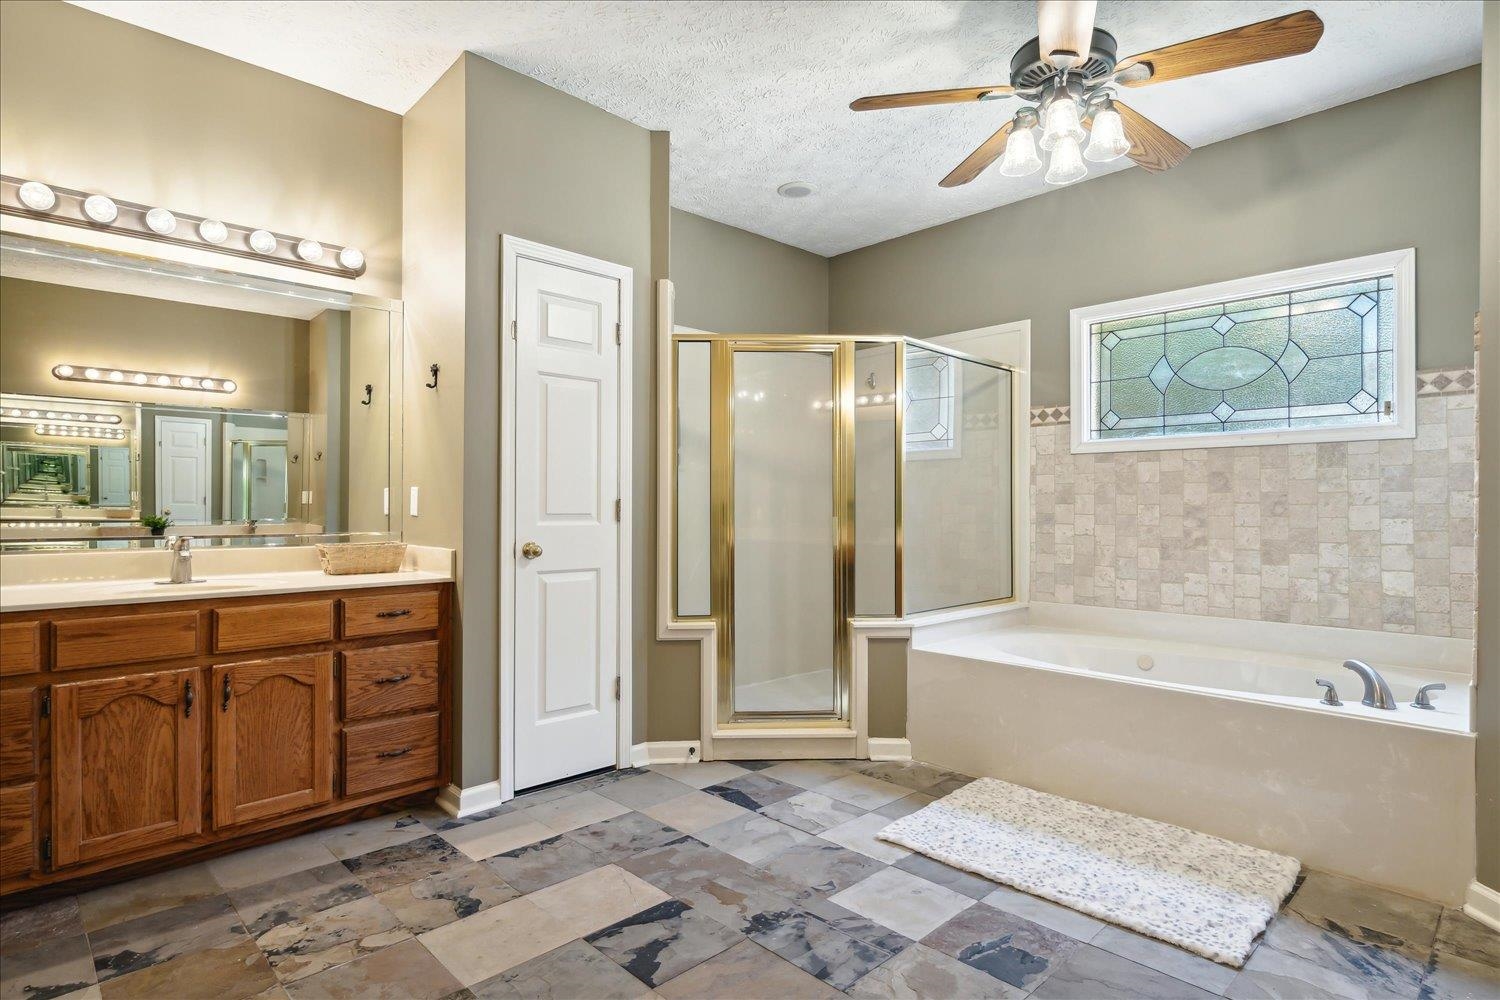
(236, 408)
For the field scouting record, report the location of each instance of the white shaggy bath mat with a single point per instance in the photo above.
(1207, 895)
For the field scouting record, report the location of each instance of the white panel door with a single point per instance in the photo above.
(114, 476)
(567, 538)
(183, 468)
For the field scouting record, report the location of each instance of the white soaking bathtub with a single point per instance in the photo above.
(1217, 725)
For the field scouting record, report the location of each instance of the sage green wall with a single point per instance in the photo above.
(1396, 170)
(1488, 690)
(887, 673)
(731, 281)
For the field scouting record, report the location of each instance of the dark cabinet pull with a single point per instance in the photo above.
(393, 679)
(228, 690)
(187, 700)
(393, 614)
(395, 753)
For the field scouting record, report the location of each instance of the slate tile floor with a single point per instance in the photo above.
(751, 880)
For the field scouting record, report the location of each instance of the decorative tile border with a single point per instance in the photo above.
(1046, 416)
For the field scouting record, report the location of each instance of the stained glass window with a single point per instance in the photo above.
(933, 409)
(1308, 357)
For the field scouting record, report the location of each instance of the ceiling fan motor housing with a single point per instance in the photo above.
(1030, 68)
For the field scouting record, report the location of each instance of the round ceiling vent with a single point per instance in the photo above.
(795, 189)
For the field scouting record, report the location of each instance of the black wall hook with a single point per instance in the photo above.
(433, 384)
(369, 395)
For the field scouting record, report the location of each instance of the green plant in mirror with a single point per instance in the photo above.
(156, 522)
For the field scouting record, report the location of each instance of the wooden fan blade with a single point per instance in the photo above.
(921, 98)
(1066, 26)
(987, 153)
(1152, 146)
(1263, 41)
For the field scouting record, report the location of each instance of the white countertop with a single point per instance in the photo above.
(92, 579)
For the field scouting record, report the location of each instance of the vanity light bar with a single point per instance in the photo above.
(79, 431)
(34, 199)
(146, 380)
(16, 414)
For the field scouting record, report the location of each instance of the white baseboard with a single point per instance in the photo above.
(666, 752)
(1483, 904)
(462, 802)
(887, 748)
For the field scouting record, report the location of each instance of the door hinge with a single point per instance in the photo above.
(619, 505)
(512, 329)
(47, 852)
(617, 687)
(47, 705)
(618, 334)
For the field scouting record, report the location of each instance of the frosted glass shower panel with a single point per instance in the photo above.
(694, 543)
(957, 490)
(784, 532)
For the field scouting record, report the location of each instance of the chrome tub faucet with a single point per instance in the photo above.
(1377, 692)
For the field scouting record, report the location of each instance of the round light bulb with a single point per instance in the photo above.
(163, 380)
(352, 258)
(32, 414)
(228, 385)
(91, 373)
(1062, 122)
(1020, 154)
(213, 231)
(37, 196)
(1107, 140)
(310, 251)
(188, 382)
(100, 209)
(51, 414)
(862, 400)
(1066, 165)
(139, 378)
(63, 370)
(261, 241)
(161, 222)
(208, 384)
(117, 376)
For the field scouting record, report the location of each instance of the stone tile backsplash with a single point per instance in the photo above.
(1365, 534)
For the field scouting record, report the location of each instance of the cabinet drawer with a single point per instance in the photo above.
(18, 733)
(17, 830)
(100, 642)
(20, 648)
(383, 614)
(390, 679)
(386, 754)
(265, 626)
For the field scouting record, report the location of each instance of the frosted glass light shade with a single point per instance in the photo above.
(1107, 141)
(100, 209)
(310, 251)
(262, 241)
(1066, 165)
(37, 196)
(161, 222)
(1062, 123)
(1020, 154)
(213, 231)
(352, 258)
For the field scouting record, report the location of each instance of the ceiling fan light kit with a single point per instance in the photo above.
(1071, 92)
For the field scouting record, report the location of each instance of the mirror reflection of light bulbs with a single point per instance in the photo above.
(100, 209)
(188, 382)
(139, 378)
(91, 373)
(64, 370)
(37, 196)
(213, 231)
(228, 385)
(163, 380)
(161, 222)
(117, 376)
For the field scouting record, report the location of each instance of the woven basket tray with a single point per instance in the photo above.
(345, 558)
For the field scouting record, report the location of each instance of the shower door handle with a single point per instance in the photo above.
(531, 550)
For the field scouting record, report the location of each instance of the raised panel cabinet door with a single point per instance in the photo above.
(126, 763)
(273, 723)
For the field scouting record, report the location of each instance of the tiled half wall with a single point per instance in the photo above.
(1373, 534)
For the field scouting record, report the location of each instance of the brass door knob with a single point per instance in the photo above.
(531, 550)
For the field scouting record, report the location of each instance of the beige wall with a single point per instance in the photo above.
(1396, 170)
(731, 281)
(1488, 709)
(93, 103)
(42, 325)
(887, 672)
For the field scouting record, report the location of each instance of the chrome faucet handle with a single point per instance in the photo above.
(1423, 701)
(1330, 696)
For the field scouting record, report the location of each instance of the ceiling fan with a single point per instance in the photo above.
(1068, 75)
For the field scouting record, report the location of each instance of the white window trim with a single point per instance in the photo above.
(1401, 263)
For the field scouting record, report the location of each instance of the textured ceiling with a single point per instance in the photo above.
(756, 93)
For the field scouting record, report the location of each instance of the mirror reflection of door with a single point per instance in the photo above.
(114, 476)
(183, 467)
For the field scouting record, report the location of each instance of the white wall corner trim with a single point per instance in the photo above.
(461, 802)
(889, 748)
(1483, 904)
(666, 752)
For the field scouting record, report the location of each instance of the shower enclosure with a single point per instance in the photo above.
(823, 481)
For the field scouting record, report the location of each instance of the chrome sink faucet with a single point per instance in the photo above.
(1377, 692)
(181, 548)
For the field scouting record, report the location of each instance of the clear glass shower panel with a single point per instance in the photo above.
(957, 504)
(784, 532)
(694, 542)
(875, 480)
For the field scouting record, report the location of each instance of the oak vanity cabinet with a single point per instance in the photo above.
(134, 738)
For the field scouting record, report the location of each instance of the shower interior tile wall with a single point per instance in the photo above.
(1367, 534)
